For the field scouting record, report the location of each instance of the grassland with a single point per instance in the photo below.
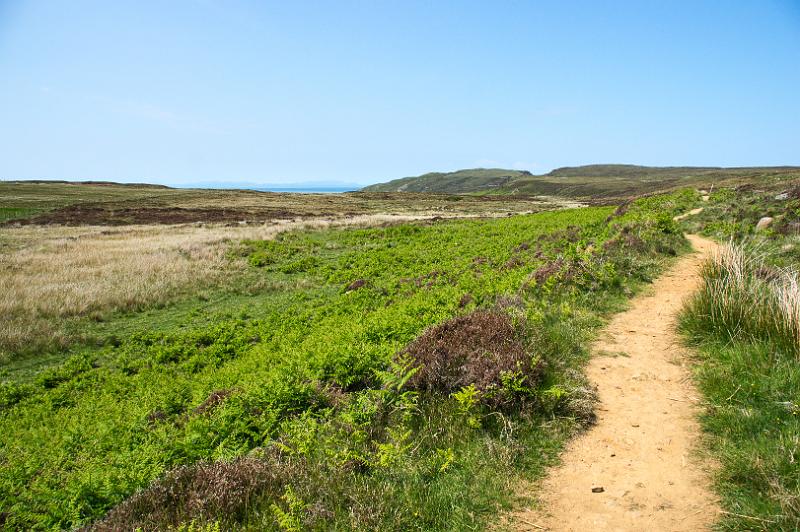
(745, 323)
(59, 279)
(21, 199)
(363, 361)
(115, 204)
(75, 253)
(293, 393)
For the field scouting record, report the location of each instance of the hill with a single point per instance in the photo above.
(604, 181)
(461, 181)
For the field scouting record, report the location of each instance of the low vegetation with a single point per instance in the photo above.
(57, 278)
(80, 204)
(320, 372)
(399, 377)
(63, 265)
(744, 298)
(745, 322)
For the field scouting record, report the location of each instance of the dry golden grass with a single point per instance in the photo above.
(744, 297)
(49, 274)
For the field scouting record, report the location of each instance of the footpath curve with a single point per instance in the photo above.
(636, 468)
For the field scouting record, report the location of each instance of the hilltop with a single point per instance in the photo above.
(590, 181)
(459, 182)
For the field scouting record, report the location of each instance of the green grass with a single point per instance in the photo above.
(312, 385)
(13, 213)
(752, 425)
(45, 195)
(748, 366)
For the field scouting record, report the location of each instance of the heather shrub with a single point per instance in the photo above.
(202, 491)
(484, 349)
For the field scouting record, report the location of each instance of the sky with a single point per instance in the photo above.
(189, 91)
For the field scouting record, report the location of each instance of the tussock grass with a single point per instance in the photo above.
(744, 297)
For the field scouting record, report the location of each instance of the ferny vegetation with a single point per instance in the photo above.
(397, 378)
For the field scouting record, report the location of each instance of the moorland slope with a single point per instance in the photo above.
(72, 204)
(458, 182)
(331, 372)
(387, 378)
(604, 182)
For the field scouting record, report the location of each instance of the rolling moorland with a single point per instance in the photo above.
(598, 184)
(48, 203)
(209, 360)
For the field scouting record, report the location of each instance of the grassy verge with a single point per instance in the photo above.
(308, 402)
(744, 323)
(13, 213)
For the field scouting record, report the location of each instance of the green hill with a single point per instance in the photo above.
(629, 170)
(462, 181)
(605, 181)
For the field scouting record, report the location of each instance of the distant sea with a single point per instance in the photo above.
(305, 190)
(310, 188)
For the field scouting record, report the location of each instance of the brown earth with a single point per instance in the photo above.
(638, 467)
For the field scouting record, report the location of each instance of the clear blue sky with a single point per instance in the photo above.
(289, 91)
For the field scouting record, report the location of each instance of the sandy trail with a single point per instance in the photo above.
(640, 452)
(687, 214)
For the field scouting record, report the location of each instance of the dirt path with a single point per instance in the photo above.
(640, 450)
(687, 214)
